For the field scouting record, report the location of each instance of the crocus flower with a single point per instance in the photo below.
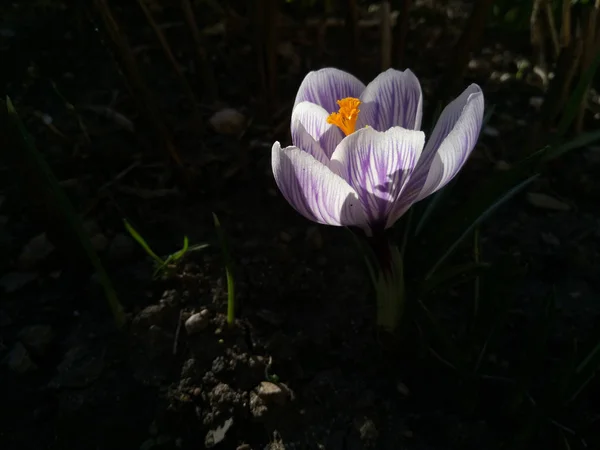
(358, 156)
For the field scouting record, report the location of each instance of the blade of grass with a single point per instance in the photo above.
(69, 215)
(72, 109)
(453, 273)
(432, 205)
(228, 271)
(140, 240)
(479, 218)
(180, 253)
(534, 348)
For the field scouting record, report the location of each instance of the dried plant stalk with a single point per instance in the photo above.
(402, 25)
(552, 28)
(271, 41)
(558, 92)
(590, 49)
(166, 48)
(265, 33)
(209, 84)
(537, 34)
(469, 39)
(353, 33)
(140, 92)
(386, 35)
(565, 28)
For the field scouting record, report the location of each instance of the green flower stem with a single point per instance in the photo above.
(387, 275)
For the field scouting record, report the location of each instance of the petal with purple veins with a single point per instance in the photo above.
(312, 119)
(326, 86)
(450, 144)
(392, 99)
(314, 190)
(377, 165)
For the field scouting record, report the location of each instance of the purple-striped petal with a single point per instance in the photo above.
(393, 99)
(314, 190)
(326, 86)
(312, 119)
(377, 165)
(450, 144)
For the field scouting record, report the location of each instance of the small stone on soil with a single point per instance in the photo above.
(228, 121)
(13, 281)
(37, 337)
(79, 368)
(5, 319)
(151, 315)
(544, 201)
(121, 247)
(36, 250)
(273, 393)
(18, 360)
(197, 322)
(213, 437)
(402, 389)
(285, 237)
(99, 242)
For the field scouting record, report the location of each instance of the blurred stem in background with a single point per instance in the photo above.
(50, 203)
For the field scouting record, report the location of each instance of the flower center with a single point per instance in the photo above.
(346, 117)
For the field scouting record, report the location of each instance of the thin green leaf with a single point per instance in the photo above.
(432, 204)
(580, 141)
(453, 273)
(435, 199)
(534, 348)
(591, 360)
(488, 115)
(68, 212)
(585, 372)
(197, 247)
(228, 271)
(450, 355)
(140, 240)
(483, 215)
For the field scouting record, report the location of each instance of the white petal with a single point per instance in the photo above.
(312, 119)
(377, 165)
(314, 190)
(393, 99)
(326, 86)
(450, 144)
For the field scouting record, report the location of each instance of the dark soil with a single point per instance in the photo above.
(303, 366)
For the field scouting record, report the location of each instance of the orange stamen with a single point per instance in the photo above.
(346, 117)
